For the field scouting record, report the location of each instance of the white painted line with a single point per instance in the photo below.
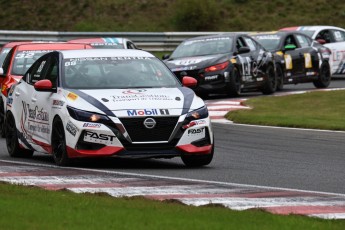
(217, 113)
(289, 128)
(329, 215)
(177, 178)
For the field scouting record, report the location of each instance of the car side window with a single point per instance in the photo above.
(250, 43)
(240, 43)
(339, 36)
(290, 40)
(130, 45)
(51, 72)
(7, 61)
(303, 41)
(325, 35)
(37, 72)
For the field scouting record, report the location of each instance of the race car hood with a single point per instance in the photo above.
(197, 62)
(136, 102)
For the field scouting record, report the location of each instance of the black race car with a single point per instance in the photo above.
(230, 63)
(299, 58)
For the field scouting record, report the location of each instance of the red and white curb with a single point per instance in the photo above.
(187, 191)
(219, 108)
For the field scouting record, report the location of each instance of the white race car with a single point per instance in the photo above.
(331, 37)
(98, 103)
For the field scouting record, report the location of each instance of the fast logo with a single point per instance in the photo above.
(196, 131)
(99, 138)
(147, 112)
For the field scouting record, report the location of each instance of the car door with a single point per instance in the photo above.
(27, 114)
(245, 60)
(294, 58)
(311, 55)
(48, 103)
(338, 48)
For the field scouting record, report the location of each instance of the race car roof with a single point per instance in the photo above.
(316, 28)
(98, 40)
(105, 53)
(51, 46)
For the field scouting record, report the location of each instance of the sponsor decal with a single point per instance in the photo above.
(307, 59)
(134, 91)
(190, 61)
(209, 78)
(205, 40)
(35, 114)
(58, 103)
(72, 96)
(196, 131)
(193, 123)
(141, 97)
(99, 138)
(147, 112)
(288, 61)
(184, 68)
(38, 128)
(233, 61)
(92, 125)
(9, 101)
(310, 73)
(3, 88)
(71, 128)
(267, 37)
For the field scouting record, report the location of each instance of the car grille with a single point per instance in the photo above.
(139, 133)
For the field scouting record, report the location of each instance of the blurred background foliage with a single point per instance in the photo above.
(173, 15)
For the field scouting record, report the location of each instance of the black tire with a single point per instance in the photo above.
(2, 118)
(270, 83)
(58, 142)
(12, 143)
(324, 78)
(198, 160)
(280, 78)
(234, 86)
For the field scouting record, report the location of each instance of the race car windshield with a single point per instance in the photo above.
(116, 73)
(201, 47)
(3, 55)
(269, 41)
(24, 59)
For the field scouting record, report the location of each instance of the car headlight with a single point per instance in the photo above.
(82, 115)
(197, 114)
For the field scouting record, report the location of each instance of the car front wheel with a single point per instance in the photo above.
(58, 142)
(198, 160)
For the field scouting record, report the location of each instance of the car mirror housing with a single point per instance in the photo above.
(189, 82)
(44, 85)
(243, 50)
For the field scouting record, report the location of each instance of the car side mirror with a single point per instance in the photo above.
(321, 41)
(189, 82)
(289, 47)
(44, 85)
(165, 56)
(243, 50)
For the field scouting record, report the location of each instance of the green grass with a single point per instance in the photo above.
(316, 110)
(33, 208)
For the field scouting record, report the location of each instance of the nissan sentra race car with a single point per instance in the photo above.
(301, 59)
(331, 37)
(100, 103)
(230, 63)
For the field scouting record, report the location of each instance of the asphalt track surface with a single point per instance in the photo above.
(276, 157)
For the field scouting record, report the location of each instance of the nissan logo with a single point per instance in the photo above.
(149, 123)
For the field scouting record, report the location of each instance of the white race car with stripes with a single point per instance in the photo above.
(331, 37)
(100, 103)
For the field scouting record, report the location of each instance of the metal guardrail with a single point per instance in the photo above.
(150, 41)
